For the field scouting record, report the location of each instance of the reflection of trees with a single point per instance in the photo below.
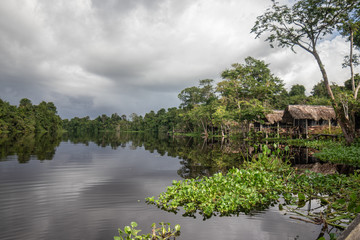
(43, 146)
(199, 157)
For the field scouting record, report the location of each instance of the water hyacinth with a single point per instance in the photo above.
(239, 190)
(261, 183)
(256, 187)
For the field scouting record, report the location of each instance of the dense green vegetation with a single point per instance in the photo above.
(340, 154)
(29, 118)
(331, 151)
(164, 232)
(247, 92)
(263, 182)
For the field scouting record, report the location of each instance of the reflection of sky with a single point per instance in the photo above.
(87, 192)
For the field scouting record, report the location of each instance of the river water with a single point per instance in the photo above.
(82, 188)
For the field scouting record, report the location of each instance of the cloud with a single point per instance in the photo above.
(91, 57)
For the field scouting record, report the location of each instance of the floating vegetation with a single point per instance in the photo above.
(164, 232)
(316, 144)
(341, 154)
(338, 196)
(238, 191)
(330, 151)
(264, 182)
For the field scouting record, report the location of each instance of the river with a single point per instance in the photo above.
(88, 187)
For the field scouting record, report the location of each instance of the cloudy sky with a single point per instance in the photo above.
(91, 57)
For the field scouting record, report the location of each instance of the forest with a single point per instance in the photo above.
(247, 92)
(29, 118)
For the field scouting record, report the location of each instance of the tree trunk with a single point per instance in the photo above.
(204, 125)
(351, 60)
(347, 127)
(324, 74)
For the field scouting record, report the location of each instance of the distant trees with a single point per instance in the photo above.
(100, 123)
(297, 94)
(28, 118)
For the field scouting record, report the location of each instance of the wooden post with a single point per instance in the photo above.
(306, 128)
(278, 130)
(266, 133)
(329, 126)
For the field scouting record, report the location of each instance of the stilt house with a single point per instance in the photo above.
(305, 118)
(271, 123)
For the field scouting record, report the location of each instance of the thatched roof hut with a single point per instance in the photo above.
(297, 112)
(274, 116)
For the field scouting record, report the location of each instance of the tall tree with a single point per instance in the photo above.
(297, 90)
(349, 28)
(245, 83)
(304, 25)
(203, 94)
(297, 94)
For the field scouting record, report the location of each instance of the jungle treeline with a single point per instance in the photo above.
(247, 92)
(29, 118)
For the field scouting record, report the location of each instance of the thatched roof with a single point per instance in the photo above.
(275, 116)
(308, 112)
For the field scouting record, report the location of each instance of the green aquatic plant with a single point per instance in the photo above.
(337, 194)
(263, 182)
(256, 187)
(331, 151)
(239, 190)
(164, 232)
(316, 144)
(341, 154)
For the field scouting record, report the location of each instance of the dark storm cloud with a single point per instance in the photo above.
(91, 57)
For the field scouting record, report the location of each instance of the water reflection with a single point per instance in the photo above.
(95, 184)
(199, 157)
(42, 146)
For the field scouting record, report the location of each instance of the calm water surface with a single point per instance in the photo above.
(90, 188)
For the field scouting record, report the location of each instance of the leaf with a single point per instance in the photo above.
(301, 197)
(134, 224)
(357, 209)
(177, 227)
(127, 229)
